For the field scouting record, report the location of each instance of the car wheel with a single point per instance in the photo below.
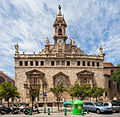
(98, 111)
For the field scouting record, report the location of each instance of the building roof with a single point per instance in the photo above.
(6, 77)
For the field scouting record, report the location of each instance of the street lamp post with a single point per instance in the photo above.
(44, 96)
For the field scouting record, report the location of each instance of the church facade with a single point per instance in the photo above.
(60, 63)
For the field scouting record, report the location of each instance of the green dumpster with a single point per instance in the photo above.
(77, 106)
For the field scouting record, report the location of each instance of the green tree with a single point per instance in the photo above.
(97, 92)
(116, 76)
(74, 91)
(118, 65)
(8, 91)
(85, 90)
(79, 91)
(57, 91)
(33, 93)
(90, 93)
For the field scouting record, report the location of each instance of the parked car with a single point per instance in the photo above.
(96, 107)
(115, 107)
(116, 101)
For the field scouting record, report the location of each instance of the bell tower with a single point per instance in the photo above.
(60, 36)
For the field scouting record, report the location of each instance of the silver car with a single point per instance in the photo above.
(115, 107)
(96, 107)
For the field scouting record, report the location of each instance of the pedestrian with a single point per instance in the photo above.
(36, 108)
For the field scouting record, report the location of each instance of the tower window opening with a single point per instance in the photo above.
(88, 63)
(42, 63)
(93, 64)
(52, 63)
(36, 63)
(26, 63)
(60, 31)
(20, 63)
(98, 64)
(68, 63)
(31, 63)
(78, 63)
(83, 63)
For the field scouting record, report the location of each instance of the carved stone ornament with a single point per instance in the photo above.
(72, 41)
(47, 41)
(16, 48)
(101, 49)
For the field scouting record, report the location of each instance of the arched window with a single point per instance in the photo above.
(60, 31)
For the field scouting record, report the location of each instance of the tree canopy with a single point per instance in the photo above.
(118, 65)
(8, 91)
(97, 92)
(81, 91)
(58, 90)
(116, 76)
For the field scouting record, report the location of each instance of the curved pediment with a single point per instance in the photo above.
(85, 72)
(34, 72)
(60, 74)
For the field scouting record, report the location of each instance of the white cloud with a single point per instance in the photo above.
(29, 22)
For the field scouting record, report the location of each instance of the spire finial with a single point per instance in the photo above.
(59, 7)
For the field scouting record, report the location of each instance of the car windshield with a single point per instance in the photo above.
(97, 104)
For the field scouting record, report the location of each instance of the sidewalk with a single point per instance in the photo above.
(61, 114)
(55, 113)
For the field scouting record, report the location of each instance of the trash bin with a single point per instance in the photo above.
(77, 106)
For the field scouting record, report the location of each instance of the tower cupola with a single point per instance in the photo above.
(60, 26)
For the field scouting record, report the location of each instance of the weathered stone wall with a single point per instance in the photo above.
(113, 91)
(20, 76)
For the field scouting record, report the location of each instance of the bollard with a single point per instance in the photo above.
(44, 109)
(87, 111)
(30, 111)
(48, 111)
(65, 113)
(82, 112)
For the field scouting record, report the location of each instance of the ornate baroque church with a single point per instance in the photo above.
(62, 63)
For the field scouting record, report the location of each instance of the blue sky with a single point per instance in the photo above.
(92, 23)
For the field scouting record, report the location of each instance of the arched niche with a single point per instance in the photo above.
(61, 78)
